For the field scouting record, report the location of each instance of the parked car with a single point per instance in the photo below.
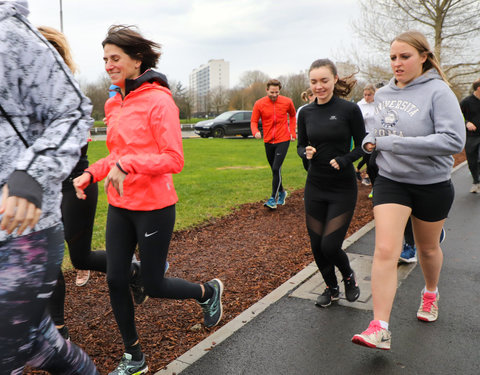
(228, 123)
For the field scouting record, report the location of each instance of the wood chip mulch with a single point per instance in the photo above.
(253, 251)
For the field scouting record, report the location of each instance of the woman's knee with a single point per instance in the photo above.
(429, 250)
(385, 252)
(116, 282)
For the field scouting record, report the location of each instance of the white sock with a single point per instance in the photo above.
(384, 324)
(425, 290)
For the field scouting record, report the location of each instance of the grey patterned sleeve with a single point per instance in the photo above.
(58, 114)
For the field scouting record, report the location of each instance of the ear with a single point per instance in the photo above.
(424, 57)
(336, 78)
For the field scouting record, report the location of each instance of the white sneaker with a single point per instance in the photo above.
(475, 188)
(374, 337)
(428, 310)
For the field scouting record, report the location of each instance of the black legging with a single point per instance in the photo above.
(329, 208)
(472, 147)
(276, 153)
(152, 231)
(78, 217)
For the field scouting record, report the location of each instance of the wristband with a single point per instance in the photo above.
(120, 167)
(91, 176)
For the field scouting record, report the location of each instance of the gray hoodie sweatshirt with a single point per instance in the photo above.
(417, 130)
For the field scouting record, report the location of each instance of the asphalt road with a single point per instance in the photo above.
(293, 336)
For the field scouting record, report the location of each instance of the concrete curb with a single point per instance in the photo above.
(199, 350)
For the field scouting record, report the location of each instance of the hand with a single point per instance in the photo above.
(258, 135)
(310, 151)
(17, 213)
(369, 146)
(80, 183)
(471, 126)
(334, 164)
(116, 178)
(292, 138)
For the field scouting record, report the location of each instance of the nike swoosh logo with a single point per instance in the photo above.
(150, 234)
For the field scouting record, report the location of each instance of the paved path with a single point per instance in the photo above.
(286, 333)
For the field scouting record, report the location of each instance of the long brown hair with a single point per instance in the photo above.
(344, 85)
(417, 40)
(58, 40)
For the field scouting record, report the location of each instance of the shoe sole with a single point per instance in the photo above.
(405, 260)
(83, 283)
(221, 305)
(362, 342)
(144, 371)
(334, 299)
(270, 207)
(423, 319)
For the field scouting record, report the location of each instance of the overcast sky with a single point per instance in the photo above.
(274, 36)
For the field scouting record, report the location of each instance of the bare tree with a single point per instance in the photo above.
(293, 85)
(219, 97)
(452, 25)
(98, 93)
(250, 77)
(182, 99)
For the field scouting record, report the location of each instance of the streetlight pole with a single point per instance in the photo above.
(61, 17)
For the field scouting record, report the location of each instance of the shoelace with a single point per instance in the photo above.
(373, 328)
(428, 300)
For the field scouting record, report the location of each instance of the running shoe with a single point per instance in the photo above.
(328, 296)
(374, 337)
(167, 266)
(82, 277)
(136, 284)
(212, 308)
(408, 254)
(428, 310)
(281, 197)
(366, 181)
(271, 203)
(129, 367)
(352, 291)
(443, 234)
(475, 188)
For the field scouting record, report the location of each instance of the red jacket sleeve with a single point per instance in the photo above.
(293, 120)
(255, 118)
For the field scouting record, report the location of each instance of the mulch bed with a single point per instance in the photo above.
(253, 251)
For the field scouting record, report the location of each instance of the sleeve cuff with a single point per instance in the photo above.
(21, 184)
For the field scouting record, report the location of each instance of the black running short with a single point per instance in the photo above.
(428, 202)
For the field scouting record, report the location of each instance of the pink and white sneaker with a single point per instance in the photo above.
(374, 337)
(428, 310)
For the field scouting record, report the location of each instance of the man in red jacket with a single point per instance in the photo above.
(278, 121)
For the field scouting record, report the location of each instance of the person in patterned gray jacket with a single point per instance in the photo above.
(44, 120)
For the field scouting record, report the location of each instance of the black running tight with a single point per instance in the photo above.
(276, 153)
(152, 231)
(329, 209)
(78, 217)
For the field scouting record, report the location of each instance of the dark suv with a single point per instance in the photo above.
(228, 123)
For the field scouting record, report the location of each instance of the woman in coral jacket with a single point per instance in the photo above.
(144, 140)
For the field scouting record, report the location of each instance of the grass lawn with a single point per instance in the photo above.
(219, 174)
